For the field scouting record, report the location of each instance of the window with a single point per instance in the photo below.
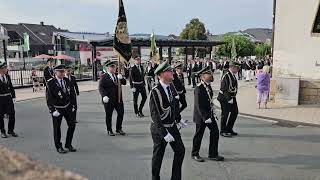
(316, 25)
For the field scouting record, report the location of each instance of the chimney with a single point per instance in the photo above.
(42, 23)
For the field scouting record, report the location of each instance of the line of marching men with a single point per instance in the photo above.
(167, 102)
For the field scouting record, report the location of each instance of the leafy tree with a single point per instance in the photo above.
(263, 50)
(194, 30)
(244, 47)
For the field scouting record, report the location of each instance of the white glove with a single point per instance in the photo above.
(208, 121)
(231, 101)
(169, 138)
(14, 100)
(105, 99)
(119, 76)
(183, 123)
(56, 114)
(133, 90)
(73, 109)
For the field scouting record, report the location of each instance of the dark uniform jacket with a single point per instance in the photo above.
(247, 65)
(178, 82)
(74, 84)
(109, 88)
(228, 87)
(7, 88)
(163, 112)
(150, 72)
(202, 103)
(59, 98)
(136, 77)
(48, 73)
(189, 69)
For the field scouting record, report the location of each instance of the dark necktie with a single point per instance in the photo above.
(3, 79)
(62, 86)
(170, 94)
(114, 78)
(140, 69)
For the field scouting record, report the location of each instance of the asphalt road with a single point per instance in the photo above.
(263, 151)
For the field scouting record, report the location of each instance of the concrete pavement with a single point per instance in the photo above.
(298, 115)
(263, 151)
(27, 93)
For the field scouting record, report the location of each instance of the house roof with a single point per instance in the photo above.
(39, 34)
(83, 36)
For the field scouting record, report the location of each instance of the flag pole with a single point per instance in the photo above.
(119, 81)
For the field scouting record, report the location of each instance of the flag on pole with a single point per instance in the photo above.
(154, 54)
(122, 42)
(233, 50)
(26, 44)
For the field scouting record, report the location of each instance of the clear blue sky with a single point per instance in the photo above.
(164, 16)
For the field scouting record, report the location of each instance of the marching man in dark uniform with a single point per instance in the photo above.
(204, 116)
(194, 70)
(74, 85)
(164, 113)
(189, 72)
(61, 104)
(48, 71)
(137, 85)
(150, 76)
(109, 90)
(178, 82)
(7, 100)
(227, 99)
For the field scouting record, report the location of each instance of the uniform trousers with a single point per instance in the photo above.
(214, 138)
(68, 115)
(109, 108)
(140, 89)
(7, 107)
(229, 114)
(159, 148)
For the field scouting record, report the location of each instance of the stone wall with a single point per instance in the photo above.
(16, 166)
(309, 92)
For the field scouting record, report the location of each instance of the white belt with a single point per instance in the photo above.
(137, 82)
(168, 125)
(3, 95)
(61, 107)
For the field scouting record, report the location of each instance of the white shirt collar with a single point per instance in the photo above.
(163, 85)
(58, 78)
(110, 74)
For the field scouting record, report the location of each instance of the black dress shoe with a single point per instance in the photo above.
(71, 149)
(61, 151)
(120, 132)
(110, 133)
(198, 158)
(225, 134)
(4, 135)
(13, 134)
(141, 114)
(216, 158)
(233, 133)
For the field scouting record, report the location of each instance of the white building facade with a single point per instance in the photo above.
(296, 58)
